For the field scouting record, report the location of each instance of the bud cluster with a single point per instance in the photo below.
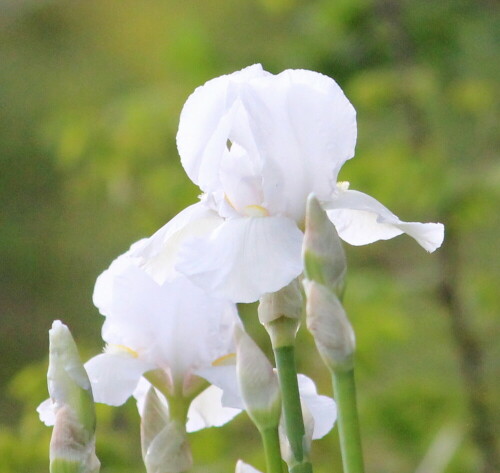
(325, 268)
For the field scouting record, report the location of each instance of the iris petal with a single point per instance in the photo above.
(114, 377)
(360, 219)
(244, 258)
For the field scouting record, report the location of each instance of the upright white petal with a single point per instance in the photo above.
(360, 219)
(305, 129)
(103, 289)
(294, 129)
(205, 123)
(244, 257)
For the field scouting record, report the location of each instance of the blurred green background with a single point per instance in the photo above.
(90, 95)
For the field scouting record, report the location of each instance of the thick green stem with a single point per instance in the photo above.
(271, 441)
(292, 410)
(348, 424)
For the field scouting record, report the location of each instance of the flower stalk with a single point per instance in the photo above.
(271, 442)
(344, 390)
(280, 314)
(325, 267)
(292, 409)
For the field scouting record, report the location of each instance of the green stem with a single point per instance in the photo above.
(271, 441)
(344, 390)
(292, 410)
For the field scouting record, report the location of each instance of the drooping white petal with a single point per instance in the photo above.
(114, 377)
(224, 377)
(322, 408)
(205, 122)
(244, 257)
(207, 410)
(158, 253)
(360, 219)
(242, 467)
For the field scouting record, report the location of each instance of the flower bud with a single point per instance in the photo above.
(328, 323)
(258, 382)
(163, 440)
(72, 447)
(287, 302)
(324, 257)
(280, 313)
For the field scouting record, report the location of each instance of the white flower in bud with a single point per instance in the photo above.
(70, 407)
(287, 302)
(72, 447)
(163, 440)
(280, 312)
(324, 257)
(258, 382)
(328, 323)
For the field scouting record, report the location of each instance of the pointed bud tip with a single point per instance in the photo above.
(324, 257)
(257, 382)
(330, 327)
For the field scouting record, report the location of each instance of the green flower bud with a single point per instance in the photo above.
(164, 444)
(280, 312)
(72, 447)
(258, 383)
(328, 323)
(324, 257)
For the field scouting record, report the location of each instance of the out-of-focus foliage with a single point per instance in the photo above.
(90, 95)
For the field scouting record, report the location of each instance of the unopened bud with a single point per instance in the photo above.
(287, 302)
(330, 327)
(164, 444)
(72, 447)
(280, 312)
(258, 382)
(324, 257)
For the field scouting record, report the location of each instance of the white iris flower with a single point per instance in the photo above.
(168, 332)
(257, 145)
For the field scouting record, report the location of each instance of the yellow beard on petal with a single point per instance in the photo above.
(225, 360)
(255, 211)
(116, 349)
